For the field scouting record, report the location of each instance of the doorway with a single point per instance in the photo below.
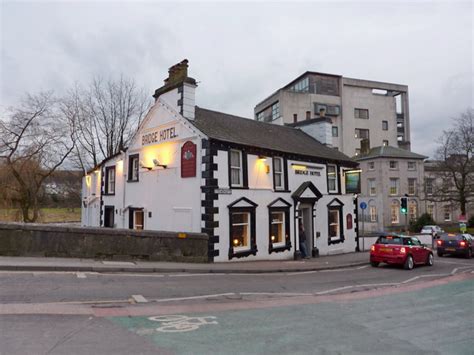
(306, 215)
(109, 216)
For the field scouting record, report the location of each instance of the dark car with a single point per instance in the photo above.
(455, 244)
(401, 250)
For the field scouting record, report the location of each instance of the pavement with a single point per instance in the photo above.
(340, 261)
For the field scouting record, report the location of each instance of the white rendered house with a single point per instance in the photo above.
(247, 184)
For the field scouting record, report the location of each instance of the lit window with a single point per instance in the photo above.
(385, 125)
(278, 230)
(411, 165)
(278, 173)
(372, 187)
(394, 213)
(411, 186)
(240, 231)
(138, 218)
(332, 178)
(385, 142)
(133, 166)
(393, 164)
(110, 180)
(393, 188)
(371, 165)
(334, 223)
(373, 213)
(412, 211)
(361, 113)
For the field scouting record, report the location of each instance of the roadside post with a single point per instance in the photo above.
(363, 206)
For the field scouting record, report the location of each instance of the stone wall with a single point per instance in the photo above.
(18, 239)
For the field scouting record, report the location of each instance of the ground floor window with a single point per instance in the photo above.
(136, 219)
(447, 213)
(279, 238)
(242, 232)
(373, 213)
(412, 211)
(430, 210)
(395, 213)
(335, 222)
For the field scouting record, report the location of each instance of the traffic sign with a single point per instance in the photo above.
(363, 205)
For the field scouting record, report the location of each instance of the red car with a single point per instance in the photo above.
(401, 250)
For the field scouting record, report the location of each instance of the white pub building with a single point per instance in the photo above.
(247, 184)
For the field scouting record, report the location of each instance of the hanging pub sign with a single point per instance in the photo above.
(188, 160)
(352, 181)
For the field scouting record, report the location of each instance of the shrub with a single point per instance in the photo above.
(423, 220)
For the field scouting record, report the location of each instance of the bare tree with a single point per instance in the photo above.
(455, 163)
(104, 117)
(35, 140)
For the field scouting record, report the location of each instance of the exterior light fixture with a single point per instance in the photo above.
(262, 158)
(157, 163)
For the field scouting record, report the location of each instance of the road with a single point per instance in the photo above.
(356, 310)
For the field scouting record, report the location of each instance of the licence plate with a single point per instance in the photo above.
(451, 249)
(385, 249)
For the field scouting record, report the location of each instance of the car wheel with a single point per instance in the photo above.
(374, 263)
(469, 253)
(440, 254)
(409, 263)
(430, 260)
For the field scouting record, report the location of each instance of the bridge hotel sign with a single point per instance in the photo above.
(159, 135)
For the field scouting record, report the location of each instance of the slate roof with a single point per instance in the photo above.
(389, 152)
(244, 131)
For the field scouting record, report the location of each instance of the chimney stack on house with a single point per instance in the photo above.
(178, 79)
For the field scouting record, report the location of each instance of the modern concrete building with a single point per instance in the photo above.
(342, 112)
(389, 174)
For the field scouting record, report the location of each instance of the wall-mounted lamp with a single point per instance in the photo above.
(145, 167)
(157, 163)
(262, 158)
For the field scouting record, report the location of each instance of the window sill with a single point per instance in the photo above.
(239, 187)
(242, 254)
(279, 249)
(109, 194)
(282, 190)
(133, 180)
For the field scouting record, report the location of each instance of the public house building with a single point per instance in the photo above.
(247, 184)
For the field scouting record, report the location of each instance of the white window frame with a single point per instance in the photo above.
(238, 249)
(110, 170)
(283, 228)
(281, 173)
(337, 223)
(396, 187)
(335, 178)
(239, 168)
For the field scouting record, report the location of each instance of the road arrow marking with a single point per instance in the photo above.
(139, 299)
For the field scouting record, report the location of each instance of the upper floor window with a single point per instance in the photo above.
(275, 110)
(411, 186)
(371, 165)
(393, 164)
(301, 86)
(330, 110)
(236, 171)
(332, 178)
(362, 133)
(278, 173)
(361, 113)
(335, 131)
(393, 188)
(357, 151)
(429, 186)
(133, 165)
(372, 188)
(385, 125)
(308, 115)
(110, 180)
(295, 117)
(447, 213)
(385, 142)
(260, 116)
(411, 165)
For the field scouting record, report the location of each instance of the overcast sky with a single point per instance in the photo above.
(240, 52)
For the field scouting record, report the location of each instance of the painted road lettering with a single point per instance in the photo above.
(181, 323)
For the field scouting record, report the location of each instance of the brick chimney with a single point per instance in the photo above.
(186, 86)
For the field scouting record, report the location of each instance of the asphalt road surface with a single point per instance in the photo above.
(359, 310)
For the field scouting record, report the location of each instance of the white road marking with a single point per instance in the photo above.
(452, 262)
(362, 267)
(81, 275)
(139, 299)
(284, 294)
(118, 263)
(300, 272)
(193, 297)
(333, 290)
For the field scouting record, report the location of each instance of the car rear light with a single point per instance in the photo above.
(372, 248)
(439, 242)
(462, 243)
(403, 250)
